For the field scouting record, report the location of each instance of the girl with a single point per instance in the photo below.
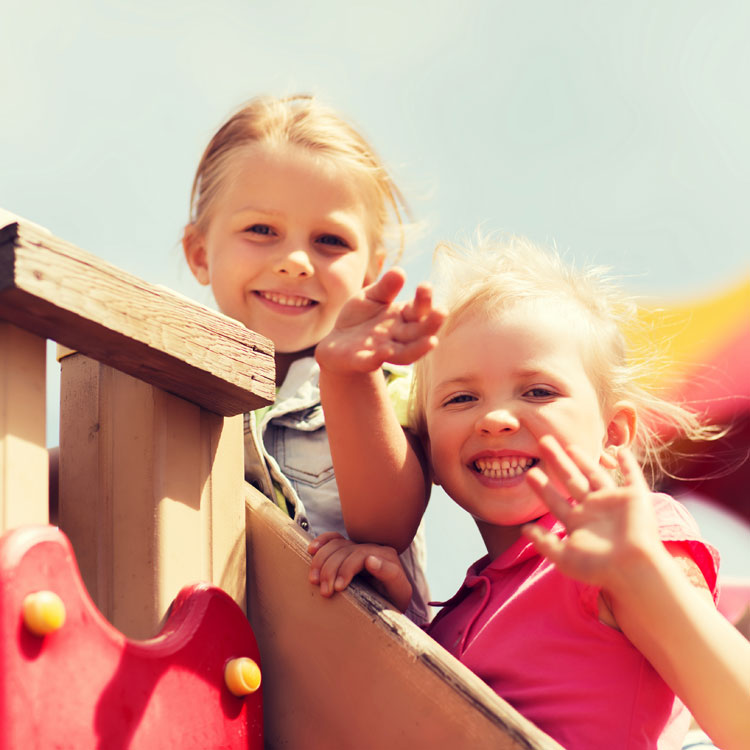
(289, 211)
(594, 606)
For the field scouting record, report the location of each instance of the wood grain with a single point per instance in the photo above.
(23, 457)
(350, 671)
(57, 291)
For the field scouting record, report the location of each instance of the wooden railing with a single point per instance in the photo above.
(151, 465)
(152, 497)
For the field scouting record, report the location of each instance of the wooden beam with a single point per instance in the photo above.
(350, 671)
(24, 489)
(60, 292)
(151, 494)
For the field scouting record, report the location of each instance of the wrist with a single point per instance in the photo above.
(355, 384)
(645, 570)
(337, 359)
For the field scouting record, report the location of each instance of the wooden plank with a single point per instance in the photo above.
(24, 488)
(60, 292)
(350, 671)
(151, 493)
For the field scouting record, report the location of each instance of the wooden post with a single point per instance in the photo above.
(151, 460)
(24, 486)
(153, 499)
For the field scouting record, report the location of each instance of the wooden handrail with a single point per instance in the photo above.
(151, 463)
(59, 292)
(350, 671)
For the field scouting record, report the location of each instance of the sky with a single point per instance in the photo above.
(617, 131)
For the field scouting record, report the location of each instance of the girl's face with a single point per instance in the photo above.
(494, 388)
(286, 245)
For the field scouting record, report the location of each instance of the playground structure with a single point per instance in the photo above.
(152, 498)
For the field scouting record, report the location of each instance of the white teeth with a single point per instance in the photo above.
(505, 467)
(285, 299)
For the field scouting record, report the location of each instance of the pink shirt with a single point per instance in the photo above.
(535, 637)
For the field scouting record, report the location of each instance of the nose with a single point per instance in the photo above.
(496, 421)
(294, 264)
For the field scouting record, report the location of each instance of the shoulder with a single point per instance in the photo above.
(681, 535)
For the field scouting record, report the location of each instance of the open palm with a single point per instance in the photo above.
(372, 328)
(608, 525)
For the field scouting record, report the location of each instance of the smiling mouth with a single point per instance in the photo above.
(506, 467)
(287, 300)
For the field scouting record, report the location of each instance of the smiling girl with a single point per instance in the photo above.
(593, 611)
(290, 207)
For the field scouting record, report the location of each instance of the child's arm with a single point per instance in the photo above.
(336, 560)
(380, 472)
(659, 600)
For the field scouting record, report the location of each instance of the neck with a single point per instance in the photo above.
(497, 539)
(284, 361)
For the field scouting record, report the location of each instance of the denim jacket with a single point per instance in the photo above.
(288, 447)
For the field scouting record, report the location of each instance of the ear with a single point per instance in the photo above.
(375, 267)
(620, 430)
(194, 246)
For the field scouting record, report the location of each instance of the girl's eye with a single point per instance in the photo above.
(332, 240)
(461, 398)
(262, 229)
(541, 393)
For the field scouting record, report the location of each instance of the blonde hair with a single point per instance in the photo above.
(302, 121)
(492, 275)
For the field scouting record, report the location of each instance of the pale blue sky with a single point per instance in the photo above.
(617, 130)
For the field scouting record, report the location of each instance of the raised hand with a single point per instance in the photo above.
(373, 328)
(336, 560)
(658, 598)
(610, 527)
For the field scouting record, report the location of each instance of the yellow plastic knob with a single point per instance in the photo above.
(242, 676)
(43, 612)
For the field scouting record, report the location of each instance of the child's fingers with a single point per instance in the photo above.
(404, 343)
(321, 540)
(423, 300)
(546, 544)
(348, 563)
(631, 470)
(558, 504)
(341, 566)
(420, 306)
(340, 559)
(387, 570)
(564, 468)
(387, 287)
(406, 354)
(330, 547)
(426, 325)
(596, 474)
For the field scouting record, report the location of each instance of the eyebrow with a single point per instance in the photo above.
(526, 372)
(257, 210)
(453, 381)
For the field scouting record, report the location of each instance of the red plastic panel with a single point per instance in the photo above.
(88, 686)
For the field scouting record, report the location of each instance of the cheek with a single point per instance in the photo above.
(224, 258)
(584, 427)
(345, 279)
